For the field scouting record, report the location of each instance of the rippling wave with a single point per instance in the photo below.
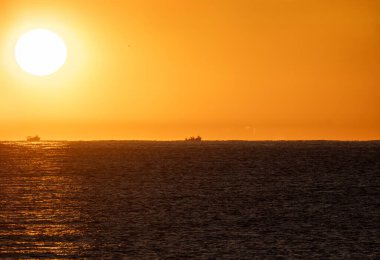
(197, 200)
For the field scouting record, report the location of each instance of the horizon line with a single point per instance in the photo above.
(203, 140)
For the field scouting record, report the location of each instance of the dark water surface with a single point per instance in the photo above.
(197, 200)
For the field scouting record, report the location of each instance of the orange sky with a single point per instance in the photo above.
(255, 69)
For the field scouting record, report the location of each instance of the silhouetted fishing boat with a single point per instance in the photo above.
(33, 138)
(194, 139)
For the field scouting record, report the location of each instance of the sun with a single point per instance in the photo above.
(40, 52)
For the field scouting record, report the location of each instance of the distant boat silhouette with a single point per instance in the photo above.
(33, 138)
(194, 139)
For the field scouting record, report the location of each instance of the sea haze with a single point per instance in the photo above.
(182, 199)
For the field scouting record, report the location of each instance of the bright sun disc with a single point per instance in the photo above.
(40, 52)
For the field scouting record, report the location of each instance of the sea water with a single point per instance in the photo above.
(230, 200)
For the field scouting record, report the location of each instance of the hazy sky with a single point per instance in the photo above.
(255, 69)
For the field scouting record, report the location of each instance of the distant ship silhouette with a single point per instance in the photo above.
(194, 139)
(33, 138)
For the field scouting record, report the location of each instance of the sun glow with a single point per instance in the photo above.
(40, 52)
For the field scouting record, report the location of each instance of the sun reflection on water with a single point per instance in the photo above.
(38, 205)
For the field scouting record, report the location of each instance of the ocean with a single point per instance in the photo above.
(206, 200)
